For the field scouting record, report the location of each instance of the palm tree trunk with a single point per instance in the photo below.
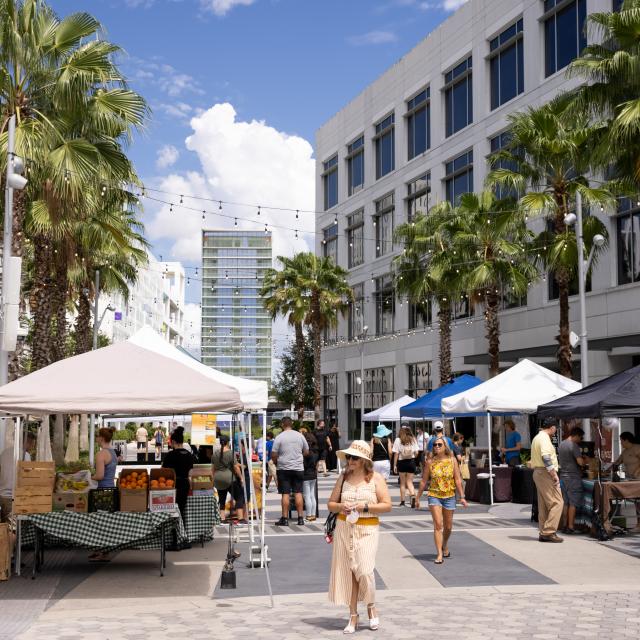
(444, 317)
(16, 365)
(60, 304)
(316, 343)
(83, 324)
(57, 445)
(300, 370)
(492, 325)
(41, 304)
(84, 432)
(564, 352)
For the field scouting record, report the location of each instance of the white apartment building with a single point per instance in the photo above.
(419, 134)
(156, 300)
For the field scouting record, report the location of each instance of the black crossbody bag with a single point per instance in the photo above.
(330, 522)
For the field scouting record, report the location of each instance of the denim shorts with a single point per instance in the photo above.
(445, 503)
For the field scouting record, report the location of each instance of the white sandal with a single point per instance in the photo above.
(351, 628)
(374, 623)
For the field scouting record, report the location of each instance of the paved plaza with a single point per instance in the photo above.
(499, 583)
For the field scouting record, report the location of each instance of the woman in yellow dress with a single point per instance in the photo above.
(359, 496)
(442, 473)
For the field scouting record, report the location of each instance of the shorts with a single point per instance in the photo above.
(271, 469)
(237, 493)
(572, 492)
(446, 503)
(290, 481)
(142, 445)
(407, 466)
(383, 467)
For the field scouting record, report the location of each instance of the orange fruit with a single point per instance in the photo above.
(170, 483)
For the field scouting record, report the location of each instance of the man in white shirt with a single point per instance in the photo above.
(7, 476)
(142, 437)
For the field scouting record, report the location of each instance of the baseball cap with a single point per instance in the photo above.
(438, 425)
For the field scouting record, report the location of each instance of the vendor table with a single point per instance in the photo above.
(501, 484)
(101, 531)
(201, 514)
(606, 492)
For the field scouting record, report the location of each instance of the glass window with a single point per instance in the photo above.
(330, 242)
(385, 305)
(383, 223)
(355, 165)
(458, 97)
(496, 144)
(617, 5)
(385, 146)
(330, 182)
(418, 192)
(459, 176)
(507, 65)
(420, 315)
(356, 311)
(330, 397)
(564, 33)
(355, 238)
(419, 124)
(379, 390)
(628, 230)
(419, 379)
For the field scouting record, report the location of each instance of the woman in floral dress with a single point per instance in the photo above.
(442, 473)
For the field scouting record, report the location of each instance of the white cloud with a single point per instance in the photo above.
(452, 5)
(372, 37)
(163, 76)
(167, 156)
(222, 7)
(180, 110)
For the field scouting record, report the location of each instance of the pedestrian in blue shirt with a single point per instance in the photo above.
(511, 450)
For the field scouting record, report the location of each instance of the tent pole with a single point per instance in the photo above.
(264, 489)
(490, 457)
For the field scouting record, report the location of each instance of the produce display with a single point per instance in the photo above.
(79, 482)
(201, 478)
(134, 480)
(162, 483)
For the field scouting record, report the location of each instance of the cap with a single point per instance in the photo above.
(438, 425)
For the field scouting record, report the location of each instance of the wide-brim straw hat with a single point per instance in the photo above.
(358, 448)
(381, 431)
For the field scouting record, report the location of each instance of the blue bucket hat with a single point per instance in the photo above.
(381, 431)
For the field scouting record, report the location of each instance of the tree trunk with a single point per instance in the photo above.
(300, 370)
(316, 343)
(16, 357)
(73, 449)
(84, 432)
(83, 324)
(564, 352)
(492, 325)
(41, 305)
(59, 342)
(444, 317)
(57, 445)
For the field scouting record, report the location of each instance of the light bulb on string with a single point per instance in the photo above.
(220, 207)
(235, 222)
(203, 214)
(170, 208)
(258, 210)
(181, 199)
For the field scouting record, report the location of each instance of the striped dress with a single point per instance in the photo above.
(354, 550)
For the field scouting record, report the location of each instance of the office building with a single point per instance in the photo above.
(236, 329)
(421, 133)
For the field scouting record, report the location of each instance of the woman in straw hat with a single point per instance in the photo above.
(359, 496)
(381, 451)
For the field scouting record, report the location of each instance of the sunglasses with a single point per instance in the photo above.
(348, 456)
(438, 445)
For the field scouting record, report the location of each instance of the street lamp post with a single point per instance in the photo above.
(583, 270)
(363, 337)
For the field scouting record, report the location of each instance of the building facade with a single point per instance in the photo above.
(236, 328)
(419, 134)
(156, 300)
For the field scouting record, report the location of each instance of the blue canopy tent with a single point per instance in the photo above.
(428, 406)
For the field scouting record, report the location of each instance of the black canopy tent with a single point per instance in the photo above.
(616, 396)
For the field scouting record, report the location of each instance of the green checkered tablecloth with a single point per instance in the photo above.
(106, 531)
(201, 514)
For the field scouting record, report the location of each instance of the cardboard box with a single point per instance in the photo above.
(133, 499)
(166, 474)
(162, 500)
(202, 492)
(76, 502)
(201, 478)
(6, 549)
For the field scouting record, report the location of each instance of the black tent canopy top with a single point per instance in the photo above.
(616, 396)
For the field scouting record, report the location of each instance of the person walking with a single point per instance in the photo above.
(222, 465)
(359, 496)
(324, 446)
(289, 450)
(310, 478)
(381, 450)
(545, 476)
(438, 432)
(334, 440)
(513, 443)
(142, 440)
(442, 472)
(158, 438)
(405, 450)
(571, 460)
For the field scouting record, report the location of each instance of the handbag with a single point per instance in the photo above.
(464, 470)
(330, 522)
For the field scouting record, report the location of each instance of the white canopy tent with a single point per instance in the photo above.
(520, 389)
(390, 412)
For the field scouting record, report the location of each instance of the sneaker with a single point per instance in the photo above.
(401, 504)
(552, 538)
(311, 518)
(300, 520)
(283, 522)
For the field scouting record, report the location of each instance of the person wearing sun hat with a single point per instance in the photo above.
(359, 496)
(381, 451)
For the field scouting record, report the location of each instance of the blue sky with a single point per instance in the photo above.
(246, 81)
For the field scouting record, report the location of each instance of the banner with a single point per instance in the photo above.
(203, 428)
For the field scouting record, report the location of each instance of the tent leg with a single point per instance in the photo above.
(92, 439)
(264, 498)
(489, 435)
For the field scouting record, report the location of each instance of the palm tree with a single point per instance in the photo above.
(282, 296)
(611, 68)
(427, 270)
(549, 159)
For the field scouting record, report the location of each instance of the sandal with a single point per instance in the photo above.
(374, 622)
(438, 561)
(447, 554)
(352, 627)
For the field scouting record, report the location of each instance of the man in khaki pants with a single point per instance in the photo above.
(544, 461)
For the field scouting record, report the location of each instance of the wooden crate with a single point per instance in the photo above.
(6, 545)
(36, 474)
(32, 504)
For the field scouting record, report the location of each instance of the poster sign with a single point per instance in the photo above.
(117, 315)
(203, 428)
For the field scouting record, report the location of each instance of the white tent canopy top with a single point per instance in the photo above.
(390, 412)
(520, 389)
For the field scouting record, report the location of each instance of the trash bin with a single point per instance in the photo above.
(485, 488)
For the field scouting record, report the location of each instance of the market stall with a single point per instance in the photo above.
(517, 390)
(429, 405)
(390, 412)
